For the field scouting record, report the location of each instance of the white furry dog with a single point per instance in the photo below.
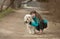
(27, 20)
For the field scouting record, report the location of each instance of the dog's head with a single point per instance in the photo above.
(27, 18)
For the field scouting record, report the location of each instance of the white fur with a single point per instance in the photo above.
(30, 28)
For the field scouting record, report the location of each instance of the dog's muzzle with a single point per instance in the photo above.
(25, 22)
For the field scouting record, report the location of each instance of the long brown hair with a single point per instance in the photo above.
(37, 15)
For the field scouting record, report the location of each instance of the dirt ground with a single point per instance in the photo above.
(13, 27)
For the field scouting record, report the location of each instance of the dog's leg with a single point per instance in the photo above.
(32, 29)
(28, 29)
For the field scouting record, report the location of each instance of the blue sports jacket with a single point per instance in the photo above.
(36, 22)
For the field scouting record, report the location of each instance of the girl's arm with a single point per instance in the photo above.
(35, 23)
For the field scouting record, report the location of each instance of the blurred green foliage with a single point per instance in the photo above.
(6, 12)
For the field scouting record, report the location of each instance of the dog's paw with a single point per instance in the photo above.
(31, 33)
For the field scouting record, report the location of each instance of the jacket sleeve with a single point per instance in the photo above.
(45, 21)
(35, 23)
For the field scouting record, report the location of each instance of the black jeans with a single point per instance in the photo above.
(41, 26)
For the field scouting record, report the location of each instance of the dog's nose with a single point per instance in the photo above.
(25, 21)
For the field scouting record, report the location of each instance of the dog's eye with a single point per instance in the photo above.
(29, 17)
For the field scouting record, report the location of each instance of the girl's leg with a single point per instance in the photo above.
(40, 29)
(37, 29)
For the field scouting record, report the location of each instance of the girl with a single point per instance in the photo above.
(38, 23)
